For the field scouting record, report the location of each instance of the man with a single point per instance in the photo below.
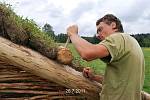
(124, 74)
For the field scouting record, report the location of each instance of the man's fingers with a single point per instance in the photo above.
(86, 72)
(86, 69)
(73, 29)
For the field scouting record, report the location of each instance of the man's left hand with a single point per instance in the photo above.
(88, 73)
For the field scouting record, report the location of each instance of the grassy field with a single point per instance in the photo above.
(99, 66)
(147, 69)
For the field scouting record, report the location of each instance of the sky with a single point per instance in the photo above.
(134, 14)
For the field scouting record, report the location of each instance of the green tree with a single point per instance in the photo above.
(47, 28)
(93, 39)
(61, 38)
(96, 40)
(143, 39)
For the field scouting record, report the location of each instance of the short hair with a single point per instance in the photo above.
(108, 19)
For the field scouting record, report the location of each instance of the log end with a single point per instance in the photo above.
(64, 56)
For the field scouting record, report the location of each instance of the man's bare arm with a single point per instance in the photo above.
(87, 50)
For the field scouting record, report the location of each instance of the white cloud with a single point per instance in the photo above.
(134, 14)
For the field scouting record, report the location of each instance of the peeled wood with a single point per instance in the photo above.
(64, 55)
(39, 65)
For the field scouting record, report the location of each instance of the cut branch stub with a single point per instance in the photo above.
(64, 55)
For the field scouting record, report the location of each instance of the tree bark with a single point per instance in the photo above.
(39, 65)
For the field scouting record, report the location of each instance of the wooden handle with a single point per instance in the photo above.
(68, 40)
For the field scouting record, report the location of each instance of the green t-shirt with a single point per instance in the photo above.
(124, 74)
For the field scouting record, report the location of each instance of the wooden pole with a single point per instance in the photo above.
(39, 65)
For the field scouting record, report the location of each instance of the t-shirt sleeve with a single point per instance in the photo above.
(115, 44)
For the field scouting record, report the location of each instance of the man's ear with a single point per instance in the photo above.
(113, 25)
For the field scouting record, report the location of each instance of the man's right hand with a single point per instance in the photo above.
(73, 29)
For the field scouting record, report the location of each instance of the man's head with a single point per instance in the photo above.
(108, 25)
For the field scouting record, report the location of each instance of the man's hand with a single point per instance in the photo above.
(73, 29)
(88, 73)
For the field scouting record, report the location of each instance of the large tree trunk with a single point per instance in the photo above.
(39, 65)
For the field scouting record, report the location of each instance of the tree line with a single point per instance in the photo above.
(143, 38)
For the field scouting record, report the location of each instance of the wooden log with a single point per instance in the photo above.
(39, 65)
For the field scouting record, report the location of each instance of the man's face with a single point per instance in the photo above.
(104, 30)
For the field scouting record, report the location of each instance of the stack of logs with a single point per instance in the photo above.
(17, 84)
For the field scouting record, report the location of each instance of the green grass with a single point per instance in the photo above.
(146, 52)
(99, 66)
